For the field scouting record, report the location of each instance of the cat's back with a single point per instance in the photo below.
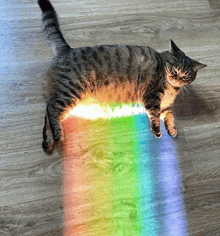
(120, 60)
(103, 68)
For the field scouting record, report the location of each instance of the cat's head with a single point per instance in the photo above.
(180, 70)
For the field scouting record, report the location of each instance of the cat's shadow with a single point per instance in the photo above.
(188, 104)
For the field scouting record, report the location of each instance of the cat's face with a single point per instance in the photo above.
(181, 70)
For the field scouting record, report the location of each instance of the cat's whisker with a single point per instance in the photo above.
(186, 91)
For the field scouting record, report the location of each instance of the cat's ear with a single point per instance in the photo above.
(197, 65)
(174, 49)
(170, 60)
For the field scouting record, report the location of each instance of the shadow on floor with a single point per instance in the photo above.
(189, 103)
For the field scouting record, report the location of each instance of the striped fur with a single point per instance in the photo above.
(111, 73)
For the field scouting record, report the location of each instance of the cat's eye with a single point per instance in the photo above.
(184, 78)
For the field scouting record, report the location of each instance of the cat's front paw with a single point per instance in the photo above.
(158, 135)
(172, 132)
(156, 132)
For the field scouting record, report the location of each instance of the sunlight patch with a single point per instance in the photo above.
(91, 109)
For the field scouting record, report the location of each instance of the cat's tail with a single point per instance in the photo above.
(51, 27)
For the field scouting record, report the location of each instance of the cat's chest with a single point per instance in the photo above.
(167, 99)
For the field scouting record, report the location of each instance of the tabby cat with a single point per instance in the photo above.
(114, 73)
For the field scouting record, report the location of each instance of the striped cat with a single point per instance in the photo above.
(113, 73)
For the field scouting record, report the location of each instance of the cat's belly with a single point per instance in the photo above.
(125, 92)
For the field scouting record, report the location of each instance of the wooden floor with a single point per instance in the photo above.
(35, 193)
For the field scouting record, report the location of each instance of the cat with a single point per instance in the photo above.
(114, 73)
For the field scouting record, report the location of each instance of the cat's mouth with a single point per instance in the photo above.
(176, 83)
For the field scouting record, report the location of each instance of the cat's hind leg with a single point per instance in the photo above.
(168, 119)
(52, 130)
(48, 141)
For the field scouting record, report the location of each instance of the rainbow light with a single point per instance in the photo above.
(126, 182)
